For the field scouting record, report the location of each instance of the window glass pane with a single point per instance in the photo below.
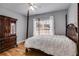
(43, 27)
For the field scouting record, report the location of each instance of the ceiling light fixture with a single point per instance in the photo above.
(32, 6)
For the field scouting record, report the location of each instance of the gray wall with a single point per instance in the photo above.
(72, 14)
(21, 23)
(59, 19)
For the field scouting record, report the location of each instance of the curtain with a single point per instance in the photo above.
(43, 27)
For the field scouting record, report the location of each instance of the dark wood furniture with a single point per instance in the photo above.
(7, 33)
(78, 29)
(72, 32)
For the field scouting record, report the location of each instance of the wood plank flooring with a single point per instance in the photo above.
(20, 51)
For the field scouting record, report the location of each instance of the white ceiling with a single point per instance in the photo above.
(22, 8)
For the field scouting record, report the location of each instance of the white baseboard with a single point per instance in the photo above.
(20, 41)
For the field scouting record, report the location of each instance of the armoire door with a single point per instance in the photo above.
(7, 26)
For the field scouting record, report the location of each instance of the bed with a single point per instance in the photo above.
(57, 45)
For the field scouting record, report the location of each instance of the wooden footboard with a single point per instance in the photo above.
(36, 52)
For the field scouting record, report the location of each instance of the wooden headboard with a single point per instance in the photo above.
(71, 32)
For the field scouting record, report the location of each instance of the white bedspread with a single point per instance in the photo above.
(56, 45)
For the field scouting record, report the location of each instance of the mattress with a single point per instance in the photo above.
(57, 45)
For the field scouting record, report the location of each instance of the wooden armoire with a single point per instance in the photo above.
(7, 33)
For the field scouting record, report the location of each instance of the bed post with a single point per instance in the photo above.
(78, 30)
(27, 24)
(66, 24)
(28, 49)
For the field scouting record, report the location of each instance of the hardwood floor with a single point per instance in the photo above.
(20, 51)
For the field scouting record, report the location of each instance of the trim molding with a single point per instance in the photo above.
(20, 41)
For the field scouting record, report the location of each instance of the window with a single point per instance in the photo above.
(43, 27)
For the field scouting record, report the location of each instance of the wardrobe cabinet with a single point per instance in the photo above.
(7, 33)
